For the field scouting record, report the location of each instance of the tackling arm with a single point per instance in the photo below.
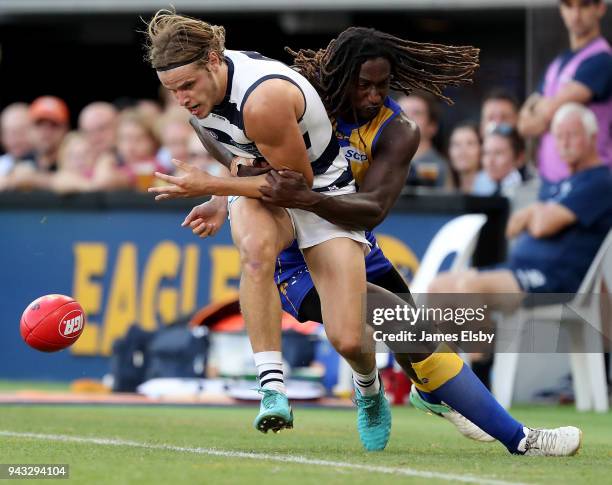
(213, 147)
(270, 118)
(380, 189)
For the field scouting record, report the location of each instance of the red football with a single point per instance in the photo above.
(52, 322)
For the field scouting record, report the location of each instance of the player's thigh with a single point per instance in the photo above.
(337, 268)
(256, 223)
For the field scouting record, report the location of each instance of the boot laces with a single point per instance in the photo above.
(542, 439)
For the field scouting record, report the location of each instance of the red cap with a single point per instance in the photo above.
(50, 108)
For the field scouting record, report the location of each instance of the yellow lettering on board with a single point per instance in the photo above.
(89, 262)
(225, 265)
(121, 307)
(163, 263)
(189, 281)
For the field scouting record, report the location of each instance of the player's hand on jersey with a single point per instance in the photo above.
(258, 167)
(287, 188)
(206, 219)
(193, 183)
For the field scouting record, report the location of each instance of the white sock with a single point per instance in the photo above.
(522, 446)
(368, 384)
(270, 370)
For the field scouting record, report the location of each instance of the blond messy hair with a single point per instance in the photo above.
(174, 40)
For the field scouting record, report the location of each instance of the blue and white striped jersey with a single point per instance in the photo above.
(246, 71)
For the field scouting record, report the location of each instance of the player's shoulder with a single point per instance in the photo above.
(399, 139)
(400, 129)
(252, 73)
(270, 96)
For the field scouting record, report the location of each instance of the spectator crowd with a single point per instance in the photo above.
(115, 147)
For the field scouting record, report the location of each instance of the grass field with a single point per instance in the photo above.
(172, 445)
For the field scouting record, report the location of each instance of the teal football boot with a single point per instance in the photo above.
(274, 412)
(373, 419)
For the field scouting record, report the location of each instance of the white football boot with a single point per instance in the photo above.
(564, 441)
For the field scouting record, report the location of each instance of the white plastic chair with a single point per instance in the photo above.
(456, 236)
(587, 368)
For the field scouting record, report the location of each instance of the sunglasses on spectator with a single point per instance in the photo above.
(503, 129)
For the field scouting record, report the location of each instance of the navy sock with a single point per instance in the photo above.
(430, 398)
(469, 397)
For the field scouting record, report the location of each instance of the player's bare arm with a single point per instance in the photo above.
(270, 119)
(212, 146)
(377, 194)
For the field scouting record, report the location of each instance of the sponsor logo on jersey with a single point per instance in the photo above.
(355, 155)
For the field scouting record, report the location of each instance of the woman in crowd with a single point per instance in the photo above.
(76, 168)
(137, 146)
(464, 154)
(503, 151)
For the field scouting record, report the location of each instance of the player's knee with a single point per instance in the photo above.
(257, 256)
(348, 346)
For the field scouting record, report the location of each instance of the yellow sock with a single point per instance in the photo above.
(437, 369)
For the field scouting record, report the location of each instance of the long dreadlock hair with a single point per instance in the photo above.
(414, 65)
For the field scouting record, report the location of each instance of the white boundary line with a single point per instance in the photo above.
(261, 456)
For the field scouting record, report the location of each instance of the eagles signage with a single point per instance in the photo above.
(132, 265)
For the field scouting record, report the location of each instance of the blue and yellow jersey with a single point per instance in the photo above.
(358, 141)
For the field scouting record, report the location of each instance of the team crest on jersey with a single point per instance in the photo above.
(341, 136)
